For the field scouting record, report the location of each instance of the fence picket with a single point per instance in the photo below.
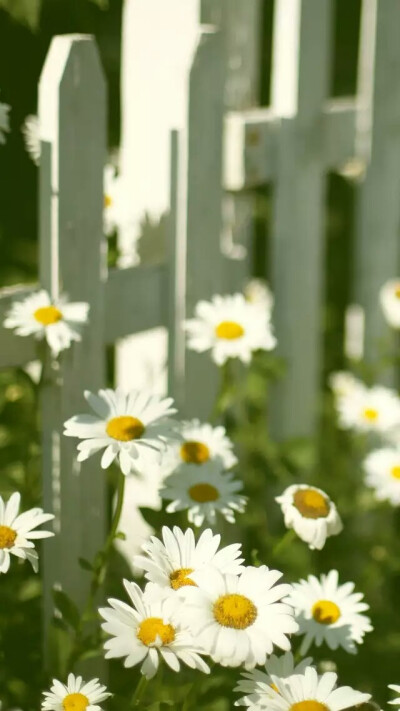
(378, 245)
(301, 61)
(204, 259)
(72, 111)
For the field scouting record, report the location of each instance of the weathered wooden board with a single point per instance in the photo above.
(72, 110)
(300, 85)
(378, 139)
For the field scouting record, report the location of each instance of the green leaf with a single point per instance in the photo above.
(120, 535)
(67, 608)
(85, 564)
(25, 11)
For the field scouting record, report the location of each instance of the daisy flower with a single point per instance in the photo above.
(30, 132)
(343, 384)
(238, 619)
(230, 327)
(389, 297)
(201, 444)
(17, 532)
(75, 695)
(258, 292)
(4, 121)
(203, 491)
(395, 688)
(311, 513)
(112, 214)
(329, 612)
(170, 563)
(123, 425)
(257, 685)
(310, 691)
(149, 629)
(58, 321)
(382, 473)
(375, 409)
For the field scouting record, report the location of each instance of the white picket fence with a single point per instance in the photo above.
(222, 146)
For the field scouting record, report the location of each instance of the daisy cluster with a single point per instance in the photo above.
(375, 412)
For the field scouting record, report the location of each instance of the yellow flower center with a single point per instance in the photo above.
(229, 330)
(397, 292)
(310, 705)
(7, 537)
(311, 503)
(325, 612)
(370, 414)
(75, 702)
(125, 428)
(203, 493)
(235, 611)
(395, 471)
(47, 315)
(108, 201)
(153, 628)
(194, 452)
(178, 578)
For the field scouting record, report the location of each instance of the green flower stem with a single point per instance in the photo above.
(226, 391)
(139, 691)
(286, 540)
(99, 573)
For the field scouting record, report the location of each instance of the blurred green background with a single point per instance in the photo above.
(368, 551)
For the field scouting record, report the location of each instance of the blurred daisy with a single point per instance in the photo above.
(343, 384)
(257, 685)
(112, 211)
(204, 491)
(310, 691)
(311, 513)
(201, 444)
(57, 321)
(230, 327)
(238, 619)
(382, 473)
(395, 688)
(371, 409)
(150, 629)
(17, 532)
(30, 132)
(170, 563)
(329, 612)
(258, 292)
(4, 121)
(112, 214)
(123, 425)
(389, 297)
(75, 695)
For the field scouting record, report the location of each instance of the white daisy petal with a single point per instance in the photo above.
(126, 426)
(230, 327)
(48, 320)
(17, 532)
(311, 513)
(328, 613)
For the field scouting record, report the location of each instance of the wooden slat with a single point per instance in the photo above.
(251, 143)
(301, 60)
(204, 260)
(134, 301)
(73, 127)
(15, 350)
(240, 25)
(378, 244)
